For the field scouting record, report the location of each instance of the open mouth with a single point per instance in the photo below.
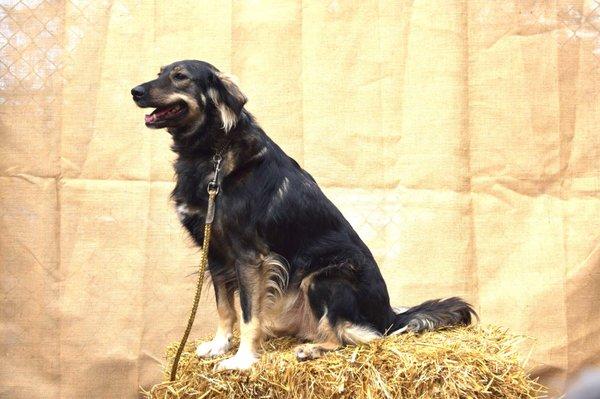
(162, 115)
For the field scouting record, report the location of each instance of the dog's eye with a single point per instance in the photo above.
(179, 76)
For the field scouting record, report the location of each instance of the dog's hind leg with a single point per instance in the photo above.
(314, 351)
(333, 337)
(334, 302)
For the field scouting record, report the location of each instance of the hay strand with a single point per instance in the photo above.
(470, 362)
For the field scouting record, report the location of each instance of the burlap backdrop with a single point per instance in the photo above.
(460, 139)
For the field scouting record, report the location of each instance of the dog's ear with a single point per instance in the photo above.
(228, 99)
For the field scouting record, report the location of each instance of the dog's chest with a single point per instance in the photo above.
(185, 211)
(190, 193)
(193, 218)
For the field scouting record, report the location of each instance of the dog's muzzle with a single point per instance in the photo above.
(138, 92)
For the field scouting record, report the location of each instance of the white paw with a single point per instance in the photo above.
(218, 346)
(240, 361)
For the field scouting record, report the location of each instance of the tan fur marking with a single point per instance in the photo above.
(221, 341)
(325, 332)
(327, 340)
(194, 114)
(306, 282)
(314, 351)
(353, 334)
(251, 331)
(283, 188)
(247, 353)
(229, 162)
(226, 311)
(184, 210)
(194, 111)
(250, 335)
(189, 100)
(400, 309)
(332, 337)
(228, 117)
(260, 154)
(291, 315)
(275, 278)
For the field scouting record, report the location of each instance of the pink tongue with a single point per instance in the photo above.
(152, 117)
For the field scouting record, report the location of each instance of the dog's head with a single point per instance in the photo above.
(185, 93)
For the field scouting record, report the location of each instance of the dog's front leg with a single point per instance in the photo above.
(248, 275)
(221, 342)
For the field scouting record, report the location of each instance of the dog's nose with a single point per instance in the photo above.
(138, 91)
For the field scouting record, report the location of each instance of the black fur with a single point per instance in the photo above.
(434, 314)
(269, 204)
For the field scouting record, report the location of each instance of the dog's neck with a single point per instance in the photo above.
(237, 147)
(203, 140)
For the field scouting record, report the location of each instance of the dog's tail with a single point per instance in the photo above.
(432, 315)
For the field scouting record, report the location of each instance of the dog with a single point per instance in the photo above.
(299, 267)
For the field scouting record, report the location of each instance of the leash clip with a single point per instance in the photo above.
(213, 185)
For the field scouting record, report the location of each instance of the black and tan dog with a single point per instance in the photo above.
(299, 267)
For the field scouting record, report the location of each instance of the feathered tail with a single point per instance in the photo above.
(434, 314)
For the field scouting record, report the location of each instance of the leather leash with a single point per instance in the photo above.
(213, 191)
